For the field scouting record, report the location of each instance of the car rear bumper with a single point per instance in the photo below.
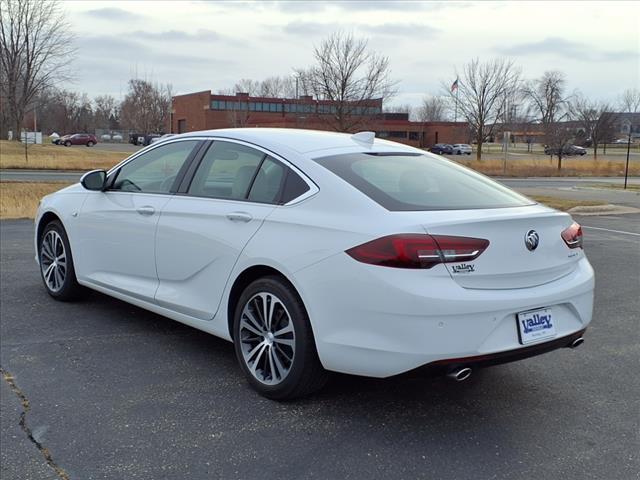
(488, 360)
(380, 322)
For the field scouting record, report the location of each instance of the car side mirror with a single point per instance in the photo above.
(95, 180)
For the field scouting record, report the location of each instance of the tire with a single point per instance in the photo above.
(60, 280)
(67, 143)
(283, 366)
(458, 152)
(90, 144)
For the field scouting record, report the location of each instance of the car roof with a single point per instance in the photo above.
(299, 140)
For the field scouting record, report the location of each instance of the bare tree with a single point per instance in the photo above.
(146, 106)
(64, 111)
(482, 88)
(630, 100)
(36, 51)
(240, 115)
(351, 76)
(106, 111)
(248, 86)
(278, 87)
(547, 97)
(596, 119)
(433, 109)
(271, 87)
(550, 107)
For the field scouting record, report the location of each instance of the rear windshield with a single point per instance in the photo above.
(406, 182)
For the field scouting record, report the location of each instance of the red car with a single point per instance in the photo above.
(78, 139)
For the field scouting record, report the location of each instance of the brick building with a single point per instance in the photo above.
(204, 111)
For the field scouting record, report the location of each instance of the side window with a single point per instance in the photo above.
(294, 186)
(154, 171)
(268, 182)
(226, 171)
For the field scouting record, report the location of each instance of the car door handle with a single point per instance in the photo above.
(146, 210)
(239, 217)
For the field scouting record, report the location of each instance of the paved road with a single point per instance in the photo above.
(117, 392)
(23, 175)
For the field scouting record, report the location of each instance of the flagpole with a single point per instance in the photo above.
(455, 110)
(455, 115)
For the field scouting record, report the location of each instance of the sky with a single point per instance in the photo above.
(206, 45)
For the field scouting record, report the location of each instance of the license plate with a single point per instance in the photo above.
(536, 325)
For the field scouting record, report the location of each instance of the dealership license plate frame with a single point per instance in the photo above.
(539, 335)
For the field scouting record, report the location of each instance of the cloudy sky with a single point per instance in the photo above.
(201, 45)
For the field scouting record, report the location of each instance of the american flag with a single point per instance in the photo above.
(454, 86)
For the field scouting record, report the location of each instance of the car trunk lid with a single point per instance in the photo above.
(508, 262)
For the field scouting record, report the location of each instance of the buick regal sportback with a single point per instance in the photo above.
(316, 252)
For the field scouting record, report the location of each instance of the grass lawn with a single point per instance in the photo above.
(56, 157)
(21, 199)
(564, 204)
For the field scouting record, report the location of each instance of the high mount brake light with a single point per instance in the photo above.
(572, 236)
(418, 250)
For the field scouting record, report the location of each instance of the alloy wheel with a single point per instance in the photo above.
(267, 338)
(53, 260)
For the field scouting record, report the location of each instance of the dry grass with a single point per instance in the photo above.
(56, 157)
(20, 199)
(564, 204)
(544, 168)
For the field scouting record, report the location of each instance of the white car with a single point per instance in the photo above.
(315, 251)
(461, 148)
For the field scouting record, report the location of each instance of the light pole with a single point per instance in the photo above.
(626, 168)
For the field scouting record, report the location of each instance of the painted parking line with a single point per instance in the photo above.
(614, 231)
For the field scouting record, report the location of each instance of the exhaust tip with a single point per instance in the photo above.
(577, 342)
(460, 374)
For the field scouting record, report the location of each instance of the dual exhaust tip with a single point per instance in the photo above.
(460, 374)
(577, 342)
(463, 373)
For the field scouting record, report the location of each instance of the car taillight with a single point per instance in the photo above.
(572, 236)
(418, 250)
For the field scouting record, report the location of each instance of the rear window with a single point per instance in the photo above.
(409, 182)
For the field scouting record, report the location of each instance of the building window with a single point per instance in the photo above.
(397, 134)
(414, 135)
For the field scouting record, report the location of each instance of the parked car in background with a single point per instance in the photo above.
(440, 148)
(87, 139)
(567, 150)
(143, 139)
(106, 137)
(117, 138)
(55, 138)
(161, 137)
(461, 148)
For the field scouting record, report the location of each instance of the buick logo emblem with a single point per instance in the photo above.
(531, 240)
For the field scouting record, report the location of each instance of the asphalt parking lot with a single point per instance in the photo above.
(112, 392)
